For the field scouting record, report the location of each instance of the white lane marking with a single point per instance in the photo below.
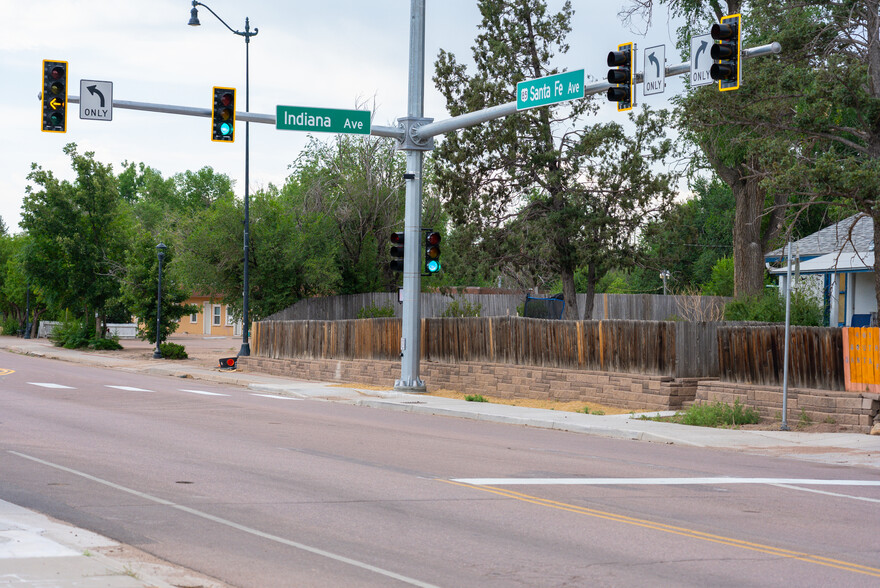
(658, 481)
(50, 385)
(232, 524)
(127, 388)
(275, 396)
(202, 392)
(835, 494)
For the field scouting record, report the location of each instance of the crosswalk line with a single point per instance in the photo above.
(203, 392)
(128, 388)
(51, 385)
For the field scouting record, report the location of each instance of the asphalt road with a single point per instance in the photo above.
(259, 490)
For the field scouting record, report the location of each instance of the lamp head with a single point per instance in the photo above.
(194, 16)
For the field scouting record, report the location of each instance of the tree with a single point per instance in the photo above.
(140, 289)
(78, 236)
(540, 190)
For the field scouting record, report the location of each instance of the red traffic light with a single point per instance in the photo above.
(397, 238)
(432, 238)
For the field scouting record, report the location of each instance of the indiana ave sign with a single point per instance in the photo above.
(322, 120)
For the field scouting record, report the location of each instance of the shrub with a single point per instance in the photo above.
(109, 344)
(73, 334)
(376, 311)
(462, 308)
(10, 325)
(475, 398)
(172, 351)
(770, 308)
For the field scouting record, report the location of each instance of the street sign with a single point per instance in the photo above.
(322, 120)
(701, 61)
(95, 100)
(550, 90)
(655, 70)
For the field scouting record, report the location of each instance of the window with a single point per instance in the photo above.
(229, 321)
(216, 321)
(194, 318)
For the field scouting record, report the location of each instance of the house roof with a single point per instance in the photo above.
(844, 261)
(856, 231)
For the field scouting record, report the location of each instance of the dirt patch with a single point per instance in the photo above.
(576, 406)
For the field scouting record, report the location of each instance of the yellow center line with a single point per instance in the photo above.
(682, 531)
(6, 372)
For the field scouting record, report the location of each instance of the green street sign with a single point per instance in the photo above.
(322, 120)
(550, 90)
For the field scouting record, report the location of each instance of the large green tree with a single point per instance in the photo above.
(77, 231)
(543, 188)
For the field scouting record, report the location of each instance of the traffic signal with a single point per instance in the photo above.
(223, 115)
(623, 76)
(396, 264)
(727, 52)
(54, 96)
(432, 252)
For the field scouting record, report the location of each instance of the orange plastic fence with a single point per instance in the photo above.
(861, 359)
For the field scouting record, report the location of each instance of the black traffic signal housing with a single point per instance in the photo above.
(727, 52)
(223, 115)
(432, 252)
(396, 264)
(623, 62)
(54, 96)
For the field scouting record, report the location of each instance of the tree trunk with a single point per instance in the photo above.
(570, 295)
(591, 292)
(748, 258)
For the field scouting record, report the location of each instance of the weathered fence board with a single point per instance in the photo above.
(756, 355)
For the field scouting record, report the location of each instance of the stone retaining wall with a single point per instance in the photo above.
(631, 391)
(850, 410)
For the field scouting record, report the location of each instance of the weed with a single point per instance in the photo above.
(829, 421)
(130, 572)
(804, 420)
(599, 412)
(585, 410)
(475, 398)
(717, 414)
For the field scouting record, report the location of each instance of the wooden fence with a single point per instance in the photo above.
(641, 307)
(755, 355)
(646, 347)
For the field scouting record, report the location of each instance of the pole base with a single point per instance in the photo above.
(410, 387)
(245, 350)
(157, 354)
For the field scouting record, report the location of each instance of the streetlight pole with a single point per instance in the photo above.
(247, 34)
(160, 253)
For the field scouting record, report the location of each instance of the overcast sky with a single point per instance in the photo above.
(327, 53)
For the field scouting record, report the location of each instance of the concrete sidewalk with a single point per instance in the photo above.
(35, 551)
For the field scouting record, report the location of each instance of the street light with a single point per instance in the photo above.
(247, 34)
(160, 252)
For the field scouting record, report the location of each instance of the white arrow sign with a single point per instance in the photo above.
(701, 62)
(95, 100)
(655, 70)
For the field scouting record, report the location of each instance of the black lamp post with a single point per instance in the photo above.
(27, 314)
(160, 252)
(247, 34)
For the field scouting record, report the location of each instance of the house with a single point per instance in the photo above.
(214, 319)
(836, 265)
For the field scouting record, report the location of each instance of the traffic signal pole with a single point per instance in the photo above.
(414, 134)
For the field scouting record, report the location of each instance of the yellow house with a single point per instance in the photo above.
(214, 318)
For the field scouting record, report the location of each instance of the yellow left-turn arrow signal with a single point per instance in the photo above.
(55, 104)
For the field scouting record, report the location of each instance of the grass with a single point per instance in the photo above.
(475, 398)
(715, 415)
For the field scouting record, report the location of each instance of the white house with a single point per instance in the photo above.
(837, 264)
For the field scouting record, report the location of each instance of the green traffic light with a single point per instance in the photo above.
(433, 266)
(225, 129)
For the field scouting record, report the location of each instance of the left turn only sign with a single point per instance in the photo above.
(95, 100)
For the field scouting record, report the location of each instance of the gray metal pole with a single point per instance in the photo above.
(410, 348)
(245, 321)
(784, 426)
